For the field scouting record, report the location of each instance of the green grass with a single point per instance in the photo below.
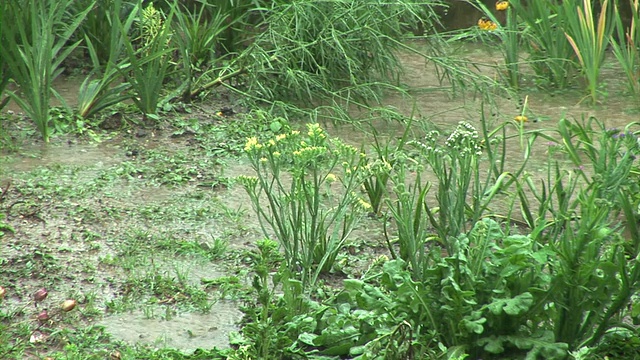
(469, 253)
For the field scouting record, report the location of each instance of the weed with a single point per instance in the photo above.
(292, 170)
(161, 288)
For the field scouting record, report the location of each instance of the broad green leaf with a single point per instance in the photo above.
(308, 339)
(515, 306)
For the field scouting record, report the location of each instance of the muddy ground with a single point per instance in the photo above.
(148, 228)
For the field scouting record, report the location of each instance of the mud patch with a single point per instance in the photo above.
(183, 331)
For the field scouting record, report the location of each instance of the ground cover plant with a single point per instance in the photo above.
(234, 183)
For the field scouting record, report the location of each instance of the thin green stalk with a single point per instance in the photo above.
(512, 48)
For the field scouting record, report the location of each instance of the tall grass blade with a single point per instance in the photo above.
(148, 65)
(35, 43)
(589, 40)
(96, 94)
(550, 54)
(626, 47)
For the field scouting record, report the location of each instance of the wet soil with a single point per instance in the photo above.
(78, 207)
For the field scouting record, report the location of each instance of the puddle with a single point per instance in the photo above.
(33, 157)
(67, 87)
(73, 240)
(184, 331)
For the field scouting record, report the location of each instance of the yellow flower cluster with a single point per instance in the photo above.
(248, 181)
(502, 5)
(310, 152)
(252, 144)
(315, 131)
(486, 24)
(363, 204)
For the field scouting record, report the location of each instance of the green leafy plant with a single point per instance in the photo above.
(148, 65)
(588, 39)
(375, 186)
(580, 219)
(98, 94)
(461, 195)
(609, 152)
(34, 45)
(550, 54)
(265, 334)
(625, 46)
(197, 36)
(304, 192)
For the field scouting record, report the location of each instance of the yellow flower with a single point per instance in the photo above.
(521, 118)
(486, 24)
(502, 5)
(365, 205)
(331, 178)
(252, 143)
(314, 130)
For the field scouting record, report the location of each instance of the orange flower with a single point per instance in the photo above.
(502, 5)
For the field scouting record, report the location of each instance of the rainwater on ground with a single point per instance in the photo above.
(191, 330)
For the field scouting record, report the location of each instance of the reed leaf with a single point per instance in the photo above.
(96, 94)
(589, 40)
(626, 48)
(147, 65)
(550, 54)
(35, 43)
